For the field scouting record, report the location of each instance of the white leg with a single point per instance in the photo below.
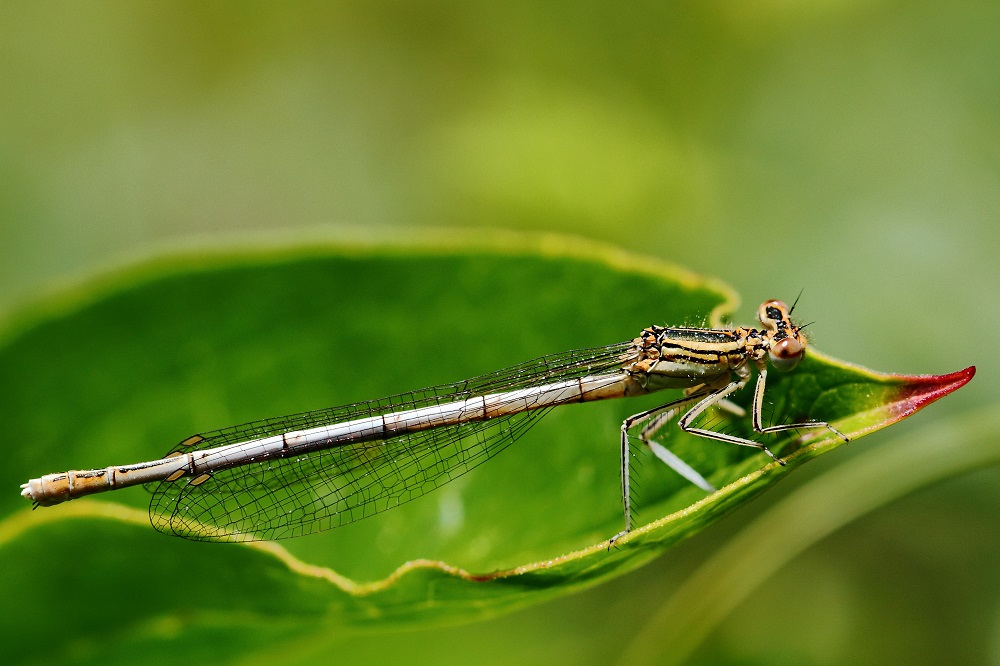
(666, 455)
(758, 398)
(714, 398)
(669, 408)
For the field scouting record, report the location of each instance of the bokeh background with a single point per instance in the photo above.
(850, 149)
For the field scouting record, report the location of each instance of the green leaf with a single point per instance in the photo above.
(945, 449)
(121, 368)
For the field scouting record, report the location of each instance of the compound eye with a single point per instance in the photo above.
(785, 354)
(771, 312)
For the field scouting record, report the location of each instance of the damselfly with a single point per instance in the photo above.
(285, 477)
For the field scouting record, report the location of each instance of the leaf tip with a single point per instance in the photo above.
(918, 391)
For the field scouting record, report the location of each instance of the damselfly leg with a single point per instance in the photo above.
(705, 397)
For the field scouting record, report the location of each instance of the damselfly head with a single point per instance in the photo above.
(787, 344)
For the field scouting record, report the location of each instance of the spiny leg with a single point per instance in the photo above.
(758, 399)
(627, 424)
(719, 398)
(715, 398)
(667, 456)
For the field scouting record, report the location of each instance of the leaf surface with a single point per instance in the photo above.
(121, 368)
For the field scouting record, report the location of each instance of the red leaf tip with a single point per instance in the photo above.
(918, 391)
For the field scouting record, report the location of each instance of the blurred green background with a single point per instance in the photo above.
(850, 149)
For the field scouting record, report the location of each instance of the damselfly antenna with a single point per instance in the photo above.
(796, 302)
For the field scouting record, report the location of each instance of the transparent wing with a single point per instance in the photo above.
(284, 497)
(288, 497)
(566, 365)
